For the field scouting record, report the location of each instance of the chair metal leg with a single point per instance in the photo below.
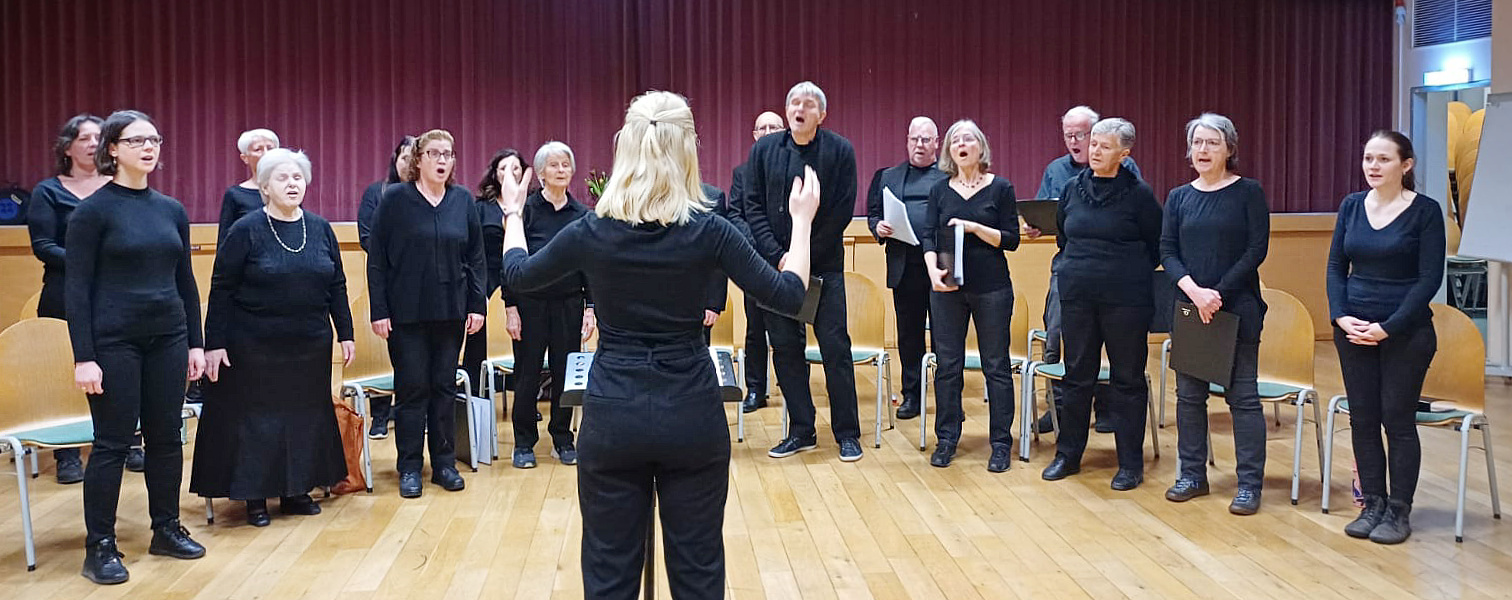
(32, 452)
(1154, 429)
(210, 511)
(1165, 361)
(17, 451)
(740, 368)
(1459, 502)
(1485, 427)
(1333, 410)
(890, 399)
(365, 409)
(924, 376)
(1297, 449)
(784, 418)
(1028, 403)
(1276, 412)
(881, 363)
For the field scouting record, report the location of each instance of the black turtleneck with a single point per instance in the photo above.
(1110, 240)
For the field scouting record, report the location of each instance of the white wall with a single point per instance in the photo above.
(1417, 61)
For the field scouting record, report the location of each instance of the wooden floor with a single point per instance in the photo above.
(810, 526)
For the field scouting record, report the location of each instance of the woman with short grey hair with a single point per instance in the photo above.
(1110, 243)
(278, 287)
(1216, 234)
(244, 197)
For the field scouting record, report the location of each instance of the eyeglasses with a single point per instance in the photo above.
(440, 154)
(768, 129)
(1208, 143)
(920, 140)
(1075, 137)
(137, 141)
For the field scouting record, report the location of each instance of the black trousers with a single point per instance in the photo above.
(1052, 316)
(788, 342)
(425, 392)
(144, 383)
(653, 423)
(756, 350)
(1086, 329)
(1384, 383)
(1243, 397)
(991, 312)
(912, 303)
(552, 325)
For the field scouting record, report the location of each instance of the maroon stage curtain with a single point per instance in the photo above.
(1305, 81)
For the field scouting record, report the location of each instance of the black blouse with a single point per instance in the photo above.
(262, 291)
(1386, 275)
(425, 263)
(235, 204)
(47, 222)
(993, 206)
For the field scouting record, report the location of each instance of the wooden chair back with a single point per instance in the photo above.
(1286, 342)
(1457, 375)
(865, 313)
(372, 359)
(29, 308)
(38, 390)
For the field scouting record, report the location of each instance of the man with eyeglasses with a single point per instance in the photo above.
(1076, 131)
(910, 181)
(755, 367)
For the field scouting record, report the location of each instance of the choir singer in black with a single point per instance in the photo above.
(653, 423)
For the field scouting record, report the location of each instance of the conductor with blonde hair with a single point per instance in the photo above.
(653, 422)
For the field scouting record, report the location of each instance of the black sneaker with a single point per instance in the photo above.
(1370, 517)
(70, 467)
(1127, 479)
(1246, 502)
(524, 458)
(1001, 458)
(136, 460)
(1185, 489)
(1394, 527)
(943, 454)
(379, 430)
(173, 540)
(102, 563)
(791, 446)
(449, 479)
(565, 453)
(850, 450)
(753, 402)
(409, 485)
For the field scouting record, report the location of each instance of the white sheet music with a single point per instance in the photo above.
(959, 272)
(896, 214)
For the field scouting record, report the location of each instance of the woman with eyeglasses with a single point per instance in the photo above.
(425, 289)
(135, 331)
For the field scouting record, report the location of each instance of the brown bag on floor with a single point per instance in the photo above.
(349, 423)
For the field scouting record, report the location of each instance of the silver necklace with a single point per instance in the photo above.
(302, 232)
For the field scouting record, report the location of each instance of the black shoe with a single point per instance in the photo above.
(173, 540)
(136, 460)
(1185, 489)
(1127, 479)
(257, 513)
(409, 485)
(379, 430)
(850, 450)
(944, 451)
(70, 467)
(302, 505)
(1370, 517)
(1001, 458)
(908, 410)
(524, 458)
(565, 453)
(1394, 528)
(753, 402)
(449, 479)
(102, 563)
(1045, 424)
(1246, 502)
(1103, 424)
(1060, 468)
(791, 446)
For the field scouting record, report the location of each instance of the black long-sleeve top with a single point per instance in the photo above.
(1109, 241)
(129, 274)
(425, 263)
(650, 279)
(1387, 275)
(491, 218)
(719, 286)
(365, 211)
(993, 206)
(774, 161)
(736, 212)
(911, 185)
(261, 290)
(1219, 238)
(235, 204)
(542, 224)
(47, 222)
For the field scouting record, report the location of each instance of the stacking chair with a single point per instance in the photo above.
(1455, 382)
(1018, 354)
(42, 409)
(722, 339)
(29, 308)
(370, 375)
(867, 321)
(499, 362)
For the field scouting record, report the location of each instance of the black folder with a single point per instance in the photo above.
(1039, 213)
(810, 302)
(1204, 350)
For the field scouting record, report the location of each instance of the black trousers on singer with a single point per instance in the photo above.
(756, 350)
(144, 382)
(911, 302)
(1086, 328)
(425, 392)
(547, 325)
(990, 312)
(1384, 383)
(788, 345)
(653, 423)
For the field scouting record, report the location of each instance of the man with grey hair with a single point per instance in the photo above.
(775, 162)
(767, 123)
(910, 181)
(1076, 130)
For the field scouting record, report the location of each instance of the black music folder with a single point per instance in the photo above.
(810, 302)
(1204, 350)
(1039, 213)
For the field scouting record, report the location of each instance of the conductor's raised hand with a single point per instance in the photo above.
(512, 193)
(803, 202)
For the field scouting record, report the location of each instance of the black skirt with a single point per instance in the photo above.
(268, 428)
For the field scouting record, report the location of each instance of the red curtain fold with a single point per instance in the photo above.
(1304, 81)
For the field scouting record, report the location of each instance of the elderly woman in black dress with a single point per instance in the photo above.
(268, 429)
